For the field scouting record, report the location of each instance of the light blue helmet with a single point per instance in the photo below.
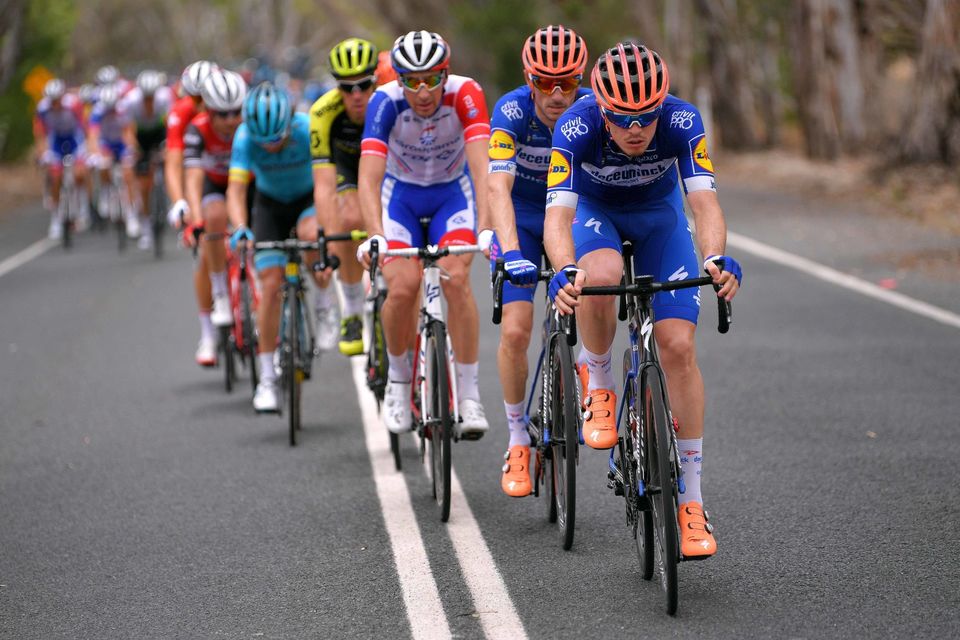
(267, 114)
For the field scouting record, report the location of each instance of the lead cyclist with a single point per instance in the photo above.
(614, 177)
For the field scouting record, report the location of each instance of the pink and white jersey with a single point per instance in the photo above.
(63, 120)
(110, 122)
(431, 150)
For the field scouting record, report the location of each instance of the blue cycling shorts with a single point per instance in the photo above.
(529, 217)
(441, 214)
(662, 246)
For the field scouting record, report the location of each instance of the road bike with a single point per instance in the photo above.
(644, 467)
(68, 209)
(238, 342)
(114, 203)
(555, 427)
(433, 395)
(297, 345)
(376, 344)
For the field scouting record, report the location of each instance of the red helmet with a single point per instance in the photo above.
(629, 78)
(554, 52)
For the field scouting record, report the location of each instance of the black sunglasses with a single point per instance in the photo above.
(233, 113)
(359, 85)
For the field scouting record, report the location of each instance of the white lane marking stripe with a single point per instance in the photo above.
(492, 602)
(844, 280)
(38, 248)
(420, 595)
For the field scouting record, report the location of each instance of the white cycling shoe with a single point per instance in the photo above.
(473, 422)
(207, 352)
(133, 226)
(222, 314)
(396, 407)
(145, 243)
(328, 328)
(266, 398)
(55, 232)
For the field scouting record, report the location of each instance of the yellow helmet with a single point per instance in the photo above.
(353, 57)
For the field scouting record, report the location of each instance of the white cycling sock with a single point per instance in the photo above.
(325, 297)
(516, 424)
(267, 371)
(353, 298)
(400, 369)
(691, 461)
(467, 381)
(601, 371)
(207, 331)
(218, 281)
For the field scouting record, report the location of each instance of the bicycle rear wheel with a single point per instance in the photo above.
(441, 423)
(565, 436)
(158, 206)
(66, 219)
(662, 486)
(228, 348)
(247, 329)
(291, 357)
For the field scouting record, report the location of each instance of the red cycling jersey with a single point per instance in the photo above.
(203, 148)
(182, 112)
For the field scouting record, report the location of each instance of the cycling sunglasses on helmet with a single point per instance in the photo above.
(625, 121)
(567, 84)
(362, 84)
(431, 81)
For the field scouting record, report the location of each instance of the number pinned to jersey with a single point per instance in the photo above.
(559, 172)
(701, 157)
(501, 146)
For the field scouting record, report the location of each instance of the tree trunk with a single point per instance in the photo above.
(843, 47)
(734, 109)
(812, 85)
(933, 134)
(11, 34)
(679, 49)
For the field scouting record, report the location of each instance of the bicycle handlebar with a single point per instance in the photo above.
(432, 252)
(499, 276)
(295, 245)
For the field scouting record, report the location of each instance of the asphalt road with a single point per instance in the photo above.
(139, 500)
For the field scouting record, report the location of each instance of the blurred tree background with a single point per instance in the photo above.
(830, 77)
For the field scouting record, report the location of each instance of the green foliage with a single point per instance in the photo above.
(46, 38)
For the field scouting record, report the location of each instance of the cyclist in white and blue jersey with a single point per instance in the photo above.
(273, 143)
(554, 59)
(614, 177)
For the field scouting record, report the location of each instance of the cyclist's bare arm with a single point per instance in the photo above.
(371, 172)
(237, 202)
(325, 194)
(478, 159)
(130, 136)
(193, 183)
(173, 174)
(712, 236)
(558, 241)
(500, 186)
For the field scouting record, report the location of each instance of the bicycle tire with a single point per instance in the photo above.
(247, 330)
(229, 365)
(662, 485)
(638, 510)
(291, 386)
(441, 421)
(157, 210)
(65, 218)
(565, 416)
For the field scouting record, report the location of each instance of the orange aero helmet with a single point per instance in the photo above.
(554, 52)
(629, 78)
(385, 72)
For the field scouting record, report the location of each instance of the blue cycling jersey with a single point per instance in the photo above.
(586, 162)
(284, 175)
(520, 145)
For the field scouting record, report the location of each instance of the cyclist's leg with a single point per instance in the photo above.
(131, 196)
(326, 303)
(214, 211)
(350, 273)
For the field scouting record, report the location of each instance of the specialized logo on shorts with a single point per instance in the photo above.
(512, 110)
(559, 171)
(501, 146)
(700, 156)
(574, 128)
(682, 120)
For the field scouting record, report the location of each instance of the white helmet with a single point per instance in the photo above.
(420, 51)
(54, 89)
(193, 76)
(223, 90)
(107, 75)
(149, 81)
(108, 96)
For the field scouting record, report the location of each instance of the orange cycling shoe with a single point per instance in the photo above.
(515, 480)
(696, 533)
(584, 374)
(599, 420)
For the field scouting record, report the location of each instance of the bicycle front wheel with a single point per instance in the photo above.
(565, 434)
(439, 419)
(662, 486)
(638, 506)
(291, 356)
(247, 330)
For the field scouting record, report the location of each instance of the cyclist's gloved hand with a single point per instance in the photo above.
(242, 233)
(729, 264)
(520, 271)
(364, 249)
(178, 211)
(484, 238)
(561, 279)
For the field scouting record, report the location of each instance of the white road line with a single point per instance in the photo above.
(492, 602)
(844, 280)
(420, 595)
(38, 248)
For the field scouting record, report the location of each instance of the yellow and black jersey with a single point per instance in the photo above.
(334, 139)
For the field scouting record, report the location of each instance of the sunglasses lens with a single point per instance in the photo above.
(361, 85)
(432, 81)
(549, 85)
(625, 121)
(228, 114)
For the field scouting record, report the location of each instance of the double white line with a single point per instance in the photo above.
(492, 602)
